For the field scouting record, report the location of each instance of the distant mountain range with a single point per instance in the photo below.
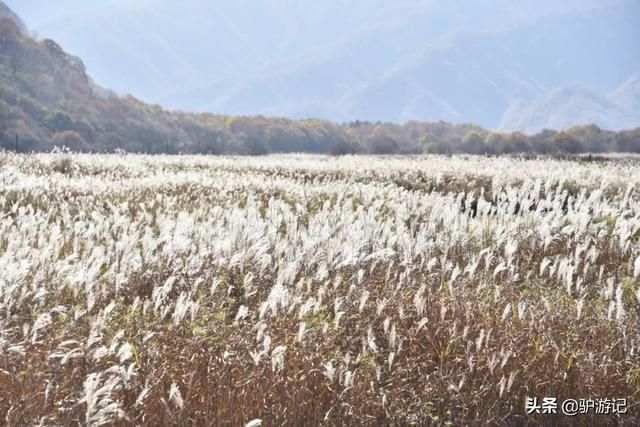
(48, 99)
(503, 64)
(570, 105)
(627, 96)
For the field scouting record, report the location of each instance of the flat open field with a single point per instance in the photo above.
(302, 290)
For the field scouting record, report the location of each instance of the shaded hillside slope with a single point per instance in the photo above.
(47, 99)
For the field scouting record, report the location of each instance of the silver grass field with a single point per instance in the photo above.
(314, 290)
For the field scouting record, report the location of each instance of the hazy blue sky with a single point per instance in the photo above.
(458, 60)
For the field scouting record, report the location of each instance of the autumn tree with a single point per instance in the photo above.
(427, 142)
(10, 41)
(518, 142)
(567, 143)
(543, 143)
(383, 145)
(380, 142)
(58, 121)
(629, 141)
(473, 143)
(340, 147)
(593, 139)
(496, 143)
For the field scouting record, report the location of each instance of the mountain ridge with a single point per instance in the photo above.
(411, 60)
(572, 105)
(627, 95)
(48, 99)
(7, 13)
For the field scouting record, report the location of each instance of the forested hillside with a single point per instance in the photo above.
(47, 100)
(463, 61)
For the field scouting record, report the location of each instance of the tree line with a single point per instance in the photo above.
(47, 100)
